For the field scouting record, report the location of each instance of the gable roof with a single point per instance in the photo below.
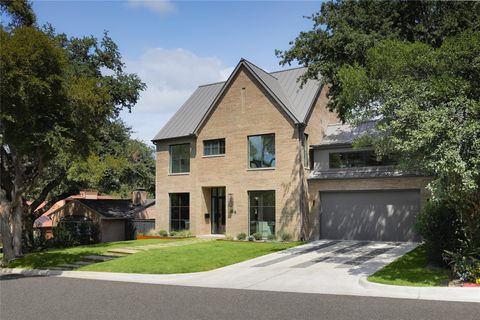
(281, 85)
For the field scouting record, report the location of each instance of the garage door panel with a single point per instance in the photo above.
(370, 215)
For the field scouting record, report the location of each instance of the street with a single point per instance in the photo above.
(24, 298)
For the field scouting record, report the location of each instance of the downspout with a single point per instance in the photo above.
(301, 141)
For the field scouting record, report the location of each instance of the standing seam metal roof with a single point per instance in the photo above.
(282, 84)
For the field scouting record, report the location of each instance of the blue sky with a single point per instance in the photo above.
(174, 46)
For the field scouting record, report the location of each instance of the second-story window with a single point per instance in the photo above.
(180, 158)
(355, 159)
(214, 147)
(261, 151)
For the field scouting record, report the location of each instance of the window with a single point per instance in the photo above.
(306, 154)
(358, 159)
(262, 212)
(179, 211)
(180, 158)
(261, 151)
(213, 147)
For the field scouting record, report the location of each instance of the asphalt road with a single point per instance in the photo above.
(23, 298)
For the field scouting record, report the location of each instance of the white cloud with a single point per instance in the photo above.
(157, 6)
(171, 76)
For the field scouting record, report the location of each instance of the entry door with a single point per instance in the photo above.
(218, 210)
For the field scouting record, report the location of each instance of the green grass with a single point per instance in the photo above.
(191, 258)
(53, 257)
(411, 270)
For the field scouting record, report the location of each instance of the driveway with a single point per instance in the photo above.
(325, 266)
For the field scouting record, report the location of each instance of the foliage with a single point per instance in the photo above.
(163, 233)
(184, 234)
(411, 270)
(196, 257)
(440, 229)
(152, 232)
(251, 238)
(465, 264)
(284, 235)
(69, 234)
(57, 94)
(271, 237)
(415, 67)
(241, 236)
(257, 236)
(173, 233)
(229, 236)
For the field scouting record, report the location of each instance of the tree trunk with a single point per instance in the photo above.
(5, 230)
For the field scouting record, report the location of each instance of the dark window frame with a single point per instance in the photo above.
(274, 206)
(171, 167)
(178, 219)
(220, 147)
(273, 160)
(357, 159)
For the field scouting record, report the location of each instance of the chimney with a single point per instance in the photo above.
(139, 197)
(89, 194)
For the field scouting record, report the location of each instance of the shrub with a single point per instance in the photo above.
(95, 232)
(465, 264)
(257, 236)
(271, 237)
(228, 236)
(173, 233)
(152, 232)
(84, 232)
(241, 236)
(163, 233)
(284, 235)
(184, 233)
(251, 238)
(440, 228)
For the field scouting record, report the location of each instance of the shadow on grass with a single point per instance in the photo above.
(49, 258)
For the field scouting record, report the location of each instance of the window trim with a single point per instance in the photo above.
(170, 167)
(170, 210)
(354, 167)
(248, 152)
(217, 154)
(249, 206)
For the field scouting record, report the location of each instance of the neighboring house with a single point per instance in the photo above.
(117, 218)
(236, 157)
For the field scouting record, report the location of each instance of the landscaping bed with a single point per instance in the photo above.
(192, 258)
(412, 270)
(143, 237)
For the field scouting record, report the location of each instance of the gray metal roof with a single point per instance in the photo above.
(282, 85)
(344, 134)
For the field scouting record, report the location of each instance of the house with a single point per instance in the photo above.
(244, 156)
(118, 218)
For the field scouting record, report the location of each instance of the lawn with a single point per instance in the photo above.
(55, 257)
(192, 258)
(411, 270)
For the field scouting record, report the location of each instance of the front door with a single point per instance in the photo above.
(218, 210)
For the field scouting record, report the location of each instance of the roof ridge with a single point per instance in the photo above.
(285, 70)
(253, 64)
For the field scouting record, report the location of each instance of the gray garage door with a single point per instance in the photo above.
(369, 215)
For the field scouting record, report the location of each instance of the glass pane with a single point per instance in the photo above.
(262, 151)
(180, 158)
(174, 212)
(185, 213)
(185, 199)
(174, 199)
(262, 212)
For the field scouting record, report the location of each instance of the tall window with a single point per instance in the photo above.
(180, 158)
(358, 159)
(214, 147)
(179, 211)
(306, 154)
(261, 151)
(262, 212)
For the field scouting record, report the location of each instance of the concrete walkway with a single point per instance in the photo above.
(327, 267)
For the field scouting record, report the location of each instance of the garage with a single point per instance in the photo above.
(378, 215)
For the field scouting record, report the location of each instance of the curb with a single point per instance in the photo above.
(30, 272)
(460, 294)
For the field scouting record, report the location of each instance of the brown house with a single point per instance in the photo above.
(241, 156)
(116, 217)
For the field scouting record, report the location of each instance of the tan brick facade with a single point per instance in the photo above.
(234, 119)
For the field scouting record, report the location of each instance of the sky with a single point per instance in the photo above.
(175, 46)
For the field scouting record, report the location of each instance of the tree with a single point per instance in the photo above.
(56, 95)
(414, 66)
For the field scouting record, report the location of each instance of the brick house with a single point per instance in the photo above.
(243, 156)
